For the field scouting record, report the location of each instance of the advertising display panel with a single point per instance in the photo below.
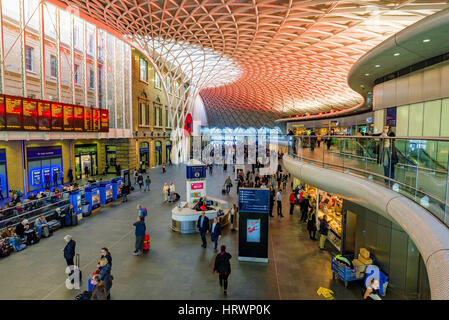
(30, 121)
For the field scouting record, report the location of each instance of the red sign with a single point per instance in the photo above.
(196, 186)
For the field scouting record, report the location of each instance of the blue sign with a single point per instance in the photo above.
(2, 156)
(196, 172)
(143, 150)
(43, 153)
(254, 200)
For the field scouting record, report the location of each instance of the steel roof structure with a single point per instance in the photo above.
(254, 61)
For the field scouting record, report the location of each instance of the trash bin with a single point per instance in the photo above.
(85, 206)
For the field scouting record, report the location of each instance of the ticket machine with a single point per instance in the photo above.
(117, 185)
(92, 196)
(75, 201)
(105, 192)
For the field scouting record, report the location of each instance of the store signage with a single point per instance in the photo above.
(44, 153)
(85, 150)
(2, 156)
(196, 172)
(143, 150)
(254, 200)
(17, 113)
(197, 186)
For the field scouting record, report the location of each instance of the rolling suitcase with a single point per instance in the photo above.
(146, 242)
(77, 266)
(74, 219)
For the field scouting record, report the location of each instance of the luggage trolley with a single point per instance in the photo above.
(344, 272)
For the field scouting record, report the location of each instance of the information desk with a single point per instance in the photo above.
(184, 218)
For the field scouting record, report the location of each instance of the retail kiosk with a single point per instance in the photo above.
(105, 193)
(117, 185)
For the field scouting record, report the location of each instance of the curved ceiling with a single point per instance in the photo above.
(293, 55)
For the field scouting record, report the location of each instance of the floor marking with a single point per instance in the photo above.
(275, 268)
(84, 267)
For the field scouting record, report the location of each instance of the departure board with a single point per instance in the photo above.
(2, 113)
(78, 118)
(30, 121)
(87, 119)
(44, 115)
(56, 116)
(254, 200)
(68, 117)
(95, 119)
(13, 107)
(104, 120)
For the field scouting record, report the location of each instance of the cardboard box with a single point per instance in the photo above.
(359, 268)
(365, 261)
(364, 253)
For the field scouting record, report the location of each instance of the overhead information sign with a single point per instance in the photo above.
(254, 200)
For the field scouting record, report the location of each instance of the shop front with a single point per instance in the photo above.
(44, 167)
(86, 160)
(144, 156)
(157, 153)
(168, 151)
(111, 159)
(3, 174)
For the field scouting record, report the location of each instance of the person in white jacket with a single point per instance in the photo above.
(165, 191)
(172, 190)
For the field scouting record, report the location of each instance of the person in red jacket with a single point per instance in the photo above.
(292, 202)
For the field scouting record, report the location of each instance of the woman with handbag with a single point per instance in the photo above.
(223, 268)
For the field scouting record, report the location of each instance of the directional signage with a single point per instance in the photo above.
(254, 200)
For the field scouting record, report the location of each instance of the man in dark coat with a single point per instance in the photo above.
(69, 250)
(304, 205)
(203, 227)
(215, 232)
(223, 268)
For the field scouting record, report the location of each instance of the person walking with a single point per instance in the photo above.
(324, 229)
(223, 268)
(292, 201)
(147, 183)
(86, 171)
(140, 181)
(234, 217)
(105, 276)
(172, 190)
(272, 195)
(55, 177)
(165, 191)
(105, 253)
(311, 225)
(163, 167)
(70, 175)
(279, 203)
(215, 232)
(140, 234)
(136, 174)
(228, 184)
(203, 227)
(141, 212)
(125, 192)
(69, 250)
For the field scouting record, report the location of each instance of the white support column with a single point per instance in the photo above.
(2, 53)
(105, 75)
(97, 102)
(42, 47)
(130, 99)
(72, 55)
(58, 54)
(114, 72)
(123, 48)
(23, 46)
(85, 62)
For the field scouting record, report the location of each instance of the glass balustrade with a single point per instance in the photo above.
(414, 167)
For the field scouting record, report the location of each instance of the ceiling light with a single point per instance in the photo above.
(396, 54)
(377, 65)
(426, 40)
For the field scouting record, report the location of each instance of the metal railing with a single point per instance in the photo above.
(416, 167)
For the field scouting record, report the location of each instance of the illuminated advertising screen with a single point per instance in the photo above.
(87, 119)
(2, 113)
(104, 120)
(95, 119)
(95, 196)
(44, 115)
(78, 118)
(254, 200)
(253, 230)
(68, 118)
(13, 108)
(30, 121)
(56, 116)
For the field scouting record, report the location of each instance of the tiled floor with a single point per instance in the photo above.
(176, 266)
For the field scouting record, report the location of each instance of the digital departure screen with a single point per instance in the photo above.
(78, 118)
(104, 120)
(56, 116)
(87, 119)
(95, 120)
(13, 107)
(30, 121)
(68, 117)
(254, 200)
(2, 113)
(44, 115)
